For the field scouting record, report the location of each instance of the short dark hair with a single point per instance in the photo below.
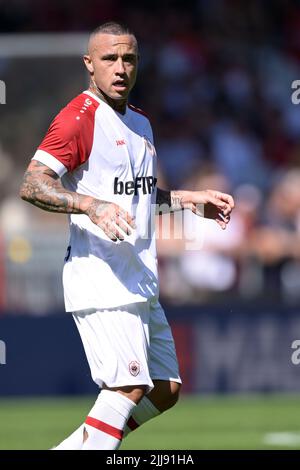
(112, 27)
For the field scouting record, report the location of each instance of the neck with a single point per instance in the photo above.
(117, 105)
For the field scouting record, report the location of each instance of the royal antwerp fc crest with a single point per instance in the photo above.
(134, 368)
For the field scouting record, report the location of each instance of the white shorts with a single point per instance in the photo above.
(128, 345)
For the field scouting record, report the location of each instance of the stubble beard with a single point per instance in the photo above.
(115, 103)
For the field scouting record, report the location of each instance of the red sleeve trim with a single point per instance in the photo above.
(70, 136)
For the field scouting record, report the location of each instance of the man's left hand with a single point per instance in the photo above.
(209, 204)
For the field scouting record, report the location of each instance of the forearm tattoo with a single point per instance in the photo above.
(41, 187)
(168, 201)
(176, 201)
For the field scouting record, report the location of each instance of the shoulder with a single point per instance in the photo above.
(82, 104)
(138, 110)
(142, 120)
(75, 117)
(70, 136)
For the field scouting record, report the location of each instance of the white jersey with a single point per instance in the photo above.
(101, 153)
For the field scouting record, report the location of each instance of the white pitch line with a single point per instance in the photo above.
(287, 438)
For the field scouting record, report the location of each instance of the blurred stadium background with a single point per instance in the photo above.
(216, 80)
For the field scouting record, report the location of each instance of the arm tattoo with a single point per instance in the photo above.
(168, 201)
(98, 209)
(41, 187)
(176, 201)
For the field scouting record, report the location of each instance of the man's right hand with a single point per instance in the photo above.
(115, 222)
(42, 187)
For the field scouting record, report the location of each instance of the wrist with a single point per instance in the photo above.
(180, 200)
(85, 204)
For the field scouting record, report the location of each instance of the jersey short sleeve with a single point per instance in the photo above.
(69, 139)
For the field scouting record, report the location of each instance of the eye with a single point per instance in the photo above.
(109, 58)
(130, 59)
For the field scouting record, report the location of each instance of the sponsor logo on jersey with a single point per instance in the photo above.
(120, 142)
(134, 368)
(145, 184)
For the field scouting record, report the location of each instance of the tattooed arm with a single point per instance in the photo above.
(210, 204)
(42, 187)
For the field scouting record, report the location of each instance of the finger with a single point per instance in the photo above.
(116, 232)
(120, 236)
(127, 218)
(109, 231)
(121, 224)
(227, 210)
(219, 203)
(111, 235)
(227, 198)
(198, 209)
(224, 218)
(222, 224)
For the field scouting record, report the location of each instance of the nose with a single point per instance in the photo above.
(120, 66)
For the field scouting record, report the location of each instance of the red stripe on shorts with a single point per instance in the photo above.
(104, 427)
(132, 424)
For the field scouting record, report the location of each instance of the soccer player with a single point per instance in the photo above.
(97, 163)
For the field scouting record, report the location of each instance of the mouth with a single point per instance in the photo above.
(120, 85)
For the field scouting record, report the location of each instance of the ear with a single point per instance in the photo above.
(88, 63)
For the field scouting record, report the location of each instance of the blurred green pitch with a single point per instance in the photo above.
(233, 422)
